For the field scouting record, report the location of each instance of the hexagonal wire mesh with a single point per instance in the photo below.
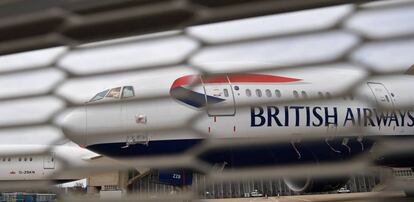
(39, 86)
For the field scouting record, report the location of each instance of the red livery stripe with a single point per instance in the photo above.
(186, 80)
(260, 78)
(237, 78)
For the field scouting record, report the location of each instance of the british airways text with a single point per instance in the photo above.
(317, 116)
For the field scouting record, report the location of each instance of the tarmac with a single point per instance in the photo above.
(346, 197)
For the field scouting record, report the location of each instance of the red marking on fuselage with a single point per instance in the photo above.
(209, 130)
(236, 78)
(234, 128)
(186, 80)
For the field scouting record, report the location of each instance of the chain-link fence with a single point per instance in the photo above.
(53, 71)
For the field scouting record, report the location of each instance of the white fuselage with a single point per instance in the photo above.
(233, 106)
(42, 162)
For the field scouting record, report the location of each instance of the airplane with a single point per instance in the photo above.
(236, 106)
(43, 162)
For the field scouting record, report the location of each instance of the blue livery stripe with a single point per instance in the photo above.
(193, 98)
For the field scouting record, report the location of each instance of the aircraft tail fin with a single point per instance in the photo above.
(410, 71)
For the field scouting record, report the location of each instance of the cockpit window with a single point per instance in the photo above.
(128, 91)
(99, 96)
(114, 93)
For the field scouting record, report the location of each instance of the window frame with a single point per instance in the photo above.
(112, 89)
(93, 98)
(328, 95)
(259, 93)
(295, 94)
(278, 93)
(248, 92)
(321, 95)
(304, 94)
(122, 92)
(268, 93)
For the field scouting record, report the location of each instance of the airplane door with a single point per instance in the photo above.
(219, 93)
(382, 95)
(49, 161)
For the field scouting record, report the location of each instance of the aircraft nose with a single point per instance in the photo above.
(73, 125)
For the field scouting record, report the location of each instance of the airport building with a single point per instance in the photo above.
(149, 183)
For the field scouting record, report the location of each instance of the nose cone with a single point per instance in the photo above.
(73, 125)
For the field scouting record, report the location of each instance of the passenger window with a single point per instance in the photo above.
(127, 91)
(295, 94)
(277, 93)
(268, 93)
(115, 92)
(320, 94)
(31, 159)
(328, 95)
(99, 96)
(248, 93)
(258, 93)
(9, 159)
(304, 95)
(25, 159)
(4, 159)
(20, 159)
(226, 93)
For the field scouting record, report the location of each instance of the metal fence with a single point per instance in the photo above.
(53, 69)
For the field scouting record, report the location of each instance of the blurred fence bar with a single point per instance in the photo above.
(55, 54)
(29, 25)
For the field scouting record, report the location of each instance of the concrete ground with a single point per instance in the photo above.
(355, 197)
